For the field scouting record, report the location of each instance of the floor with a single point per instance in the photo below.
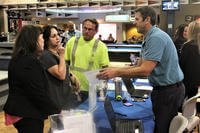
(11, 129)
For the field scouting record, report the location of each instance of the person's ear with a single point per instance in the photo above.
(148, 19)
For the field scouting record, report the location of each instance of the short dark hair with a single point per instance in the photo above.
(47, 34)
(94, 21)
(147, 11)
(26, 41)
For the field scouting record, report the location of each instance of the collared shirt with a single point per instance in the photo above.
(83, 57)
(158, 46)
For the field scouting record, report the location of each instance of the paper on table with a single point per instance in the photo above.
(143, 84)
(94, 82)
(91, 76)
(73, 121)
(142, 80)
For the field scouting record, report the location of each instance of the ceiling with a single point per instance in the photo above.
(43, 8)
(63, 4)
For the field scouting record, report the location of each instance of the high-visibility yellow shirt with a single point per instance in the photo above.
(83, 55)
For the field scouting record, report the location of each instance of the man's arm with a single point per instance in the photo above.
(143, 70)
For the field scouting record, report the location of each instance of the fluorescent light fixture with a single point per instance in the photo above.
(85, 10)
(117, 18)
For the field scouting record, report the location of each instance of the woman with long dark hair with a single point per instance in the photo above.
(28, 103)
(54, 63)
(180, 37)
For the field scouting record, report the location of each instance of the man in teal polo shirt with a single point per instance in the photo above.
(159, 62)
(86, 53)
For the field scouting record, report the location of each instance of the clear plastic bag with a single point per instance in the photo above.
(74, 121)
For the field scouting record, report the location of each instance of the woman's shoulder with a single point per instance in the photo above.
(190, 44)
(28, 61)
(179, 41)
(28, 58)
(46, 55)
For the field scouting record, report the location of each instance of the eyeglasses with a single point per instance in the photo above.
(54, 36)
(88, 29)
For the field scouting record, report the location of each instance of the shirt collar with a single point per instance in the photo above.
(150, 32)
(148, 35)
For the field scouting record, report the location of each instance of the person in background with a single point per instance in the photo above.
(190, 59)
(132, 40)
(180, 37)
(54, 63)
(86, 53)
(100, 37)
(110, 38)
(70, 31)
(28, 103)
(159, 62)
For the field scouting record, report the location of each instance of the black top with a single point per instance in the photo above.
(190, 64)
(179, 44)
(28, 94)
(59, 89)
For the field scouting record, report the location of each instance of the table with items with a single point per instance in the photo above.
(113, 110)
(111, 113)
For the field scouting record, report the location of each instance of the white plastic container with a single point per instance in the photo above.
(74, 121)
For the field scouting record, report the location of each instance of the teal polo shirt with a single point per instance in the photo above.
(158, 46)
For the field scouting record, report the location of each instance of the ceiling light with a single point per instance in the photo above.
(85, 10)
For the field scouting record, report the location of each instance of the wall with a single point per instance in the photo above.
(186, 10)
(179, 16)
(99, 16)
(1, 21)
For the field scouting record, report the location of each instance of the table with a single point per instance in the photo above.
(139, 111)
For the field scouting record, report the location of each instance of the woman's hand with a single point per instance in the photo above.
(61, 51)
(75, 83)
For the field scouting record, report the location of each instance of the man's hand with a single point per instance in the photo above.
(107, 73)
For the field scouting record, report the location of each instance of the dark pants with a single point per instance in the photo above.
(166, 102)
(29, 125)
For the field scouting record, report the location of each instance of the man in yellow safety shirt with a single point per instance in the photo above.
(86, 53)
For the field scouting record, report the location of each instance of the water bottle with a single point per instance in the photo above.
(102, 90)
(133, 59)
(118, 88)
